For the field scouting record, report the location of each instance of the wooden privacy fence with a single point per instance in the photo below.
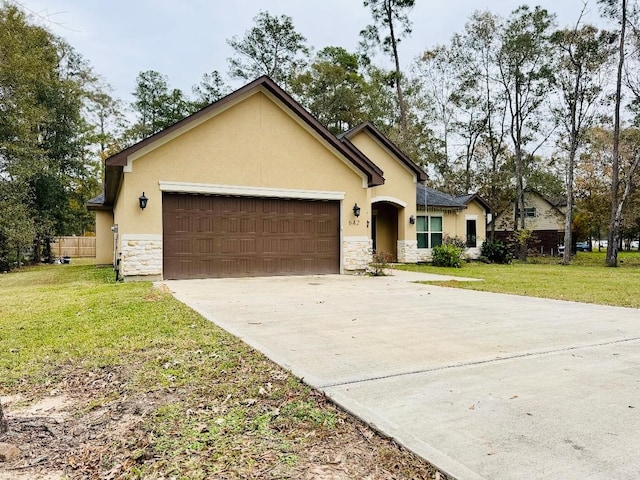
(75, 247)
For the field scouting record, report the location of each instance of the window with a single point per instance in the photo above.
(429, 231)
(529, 212)
(471, 234)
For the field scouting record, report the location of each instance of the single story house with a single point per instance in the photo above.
(254, 185)
(543, 216)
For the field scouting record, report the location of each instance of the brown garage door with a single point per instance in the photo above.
(216, 236)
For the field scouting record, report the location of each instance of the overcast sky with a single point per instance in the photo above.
(186, 38)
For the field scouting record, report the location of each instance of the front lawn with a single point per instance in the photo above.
(587, 279)
(119, 380)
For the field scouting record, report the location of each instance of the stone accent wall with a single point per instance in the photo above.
(407, 251)
(472, 253)
(141, 255)
(356, 254)
(425, 254)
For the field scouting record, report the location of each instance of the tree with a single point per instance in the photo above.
(390, 16)
(612, 9)
(439, 79)
(333, 89)
(157, 106)
(105, 117)
(210, 89)
(272, 47)
(525, 70)
(482, 41)
(43, 141)
(582, 54)
(592, 182)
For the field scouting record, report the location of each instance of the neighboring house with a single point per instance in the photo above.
(254, 185)
(545, 217)
(441, 215)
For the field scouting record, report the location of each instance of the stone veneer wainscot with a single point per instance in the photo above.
(357, 253)
(407, 251)
(141, 255)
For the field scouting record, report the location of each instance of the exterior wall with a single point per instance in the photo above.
(407, 251)
(547, 217)
(400, 182)
(141, 256)
(544, 242)
(454, 224)
(104, 237)
(424, 254)
(253, 143)
(356, 254)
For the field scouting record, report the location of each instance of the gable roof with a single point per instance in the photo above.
(430, 197)
(554, 205)
(115, 164)
(470, 197)
(381, 137)
(97, 203)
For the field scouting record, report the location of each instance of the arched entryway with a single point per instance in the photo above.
(384, 231)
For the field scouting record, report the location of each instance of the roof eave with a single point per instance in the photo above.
(373, 173)
(381, 137)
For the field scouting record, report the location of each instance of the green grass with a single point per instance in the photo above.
(587, 279)
(208, 405)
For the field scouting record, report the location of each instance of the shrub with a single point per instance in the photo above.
(379, 261)
(447, 255)
(495, 251)
(456, 242)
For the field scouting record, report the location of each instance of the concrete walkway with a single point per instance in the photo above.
(482, 385)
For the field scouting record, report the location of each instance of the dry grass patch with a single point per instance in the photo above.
(136, 385)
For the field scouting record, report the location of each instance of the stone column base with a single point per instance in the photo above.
(141, 257)
(356, 252)
(407, 251)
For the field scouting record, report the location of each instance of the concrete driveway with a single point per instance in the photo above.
(482, 385)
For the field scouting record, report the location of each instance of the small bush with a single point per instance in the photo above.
(494, 251)
(456, 242)
(379, 261)
(447, 255)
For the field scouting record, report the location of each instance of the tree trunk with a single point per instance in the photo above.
(396, 59)
(4, 427)
(614, 224)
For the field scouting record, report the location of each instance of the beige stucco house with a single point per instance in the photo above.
(441, 215)
(543, 216)
(254, 185)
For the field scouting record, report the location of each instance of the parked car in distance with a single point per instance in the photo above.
(582, 246)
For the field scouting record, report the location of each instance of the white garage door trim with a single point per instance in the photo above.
(247, 191)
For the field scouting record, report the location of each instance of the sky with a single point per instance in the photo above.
(185, 39)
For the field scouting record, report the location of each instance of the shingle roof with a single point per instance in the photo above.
(429, 197)
(97, 203)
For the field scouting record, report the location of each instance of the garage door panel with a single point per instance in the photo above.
(215, 236)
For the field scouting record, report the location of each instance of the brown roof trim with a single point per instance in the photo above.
(115, 163)
(373, 172)
(480, 200)
(382, 138)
